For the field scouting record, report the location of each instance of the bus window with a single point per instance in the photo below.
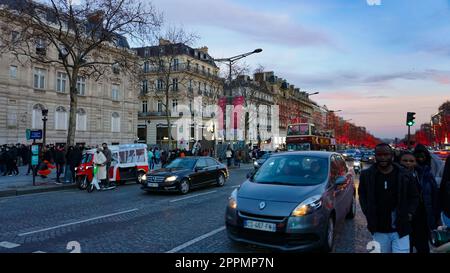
(131, 156)
(293, 130)
(304, 129)
(123, 156)
(140, 155)
(115, 159)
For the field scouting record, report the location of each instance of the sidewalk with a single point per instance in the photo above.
(23, 184)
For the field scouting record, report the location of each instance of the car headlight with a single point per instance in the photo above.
(171, 178)
(76, 168)
(232, 200)
(255, 164)
(356, 163)
(308, 206)
(144, 177)
(344, 155)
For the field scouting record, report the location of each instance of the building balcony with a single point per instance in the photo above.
(183, 67)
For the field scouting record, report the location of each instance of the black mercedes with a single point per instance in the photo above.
(186, 173)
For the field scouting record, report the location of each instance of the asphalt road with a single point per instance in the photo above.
(129, 220)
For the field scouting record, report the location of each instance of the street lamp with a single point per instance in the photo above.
(231, 61)
(44, 120)
(311, 94)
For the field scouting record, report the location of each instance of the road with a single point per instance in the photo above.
(129, 220)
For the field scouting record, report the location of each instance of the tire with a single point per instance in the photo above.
(352, 212)
(79, 182)
(220, 180)
(140, 174)
(329, 236)
(184, 186)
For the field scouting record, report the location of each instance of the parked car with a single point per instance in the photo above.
(261, 160)
(368, 157)
(184, 174)
(293, 202)
(350, 154)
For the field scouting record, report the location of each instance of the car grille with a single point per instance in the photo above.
(155, 179)
(261, 217)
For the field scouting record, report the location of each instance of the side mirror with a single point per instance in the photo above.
(340, 180)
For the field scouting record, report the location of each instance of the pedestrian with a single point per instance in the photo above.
(59, 162)
(388, 199)
(228, 155)
(107, 152)
(444, 194)
(68, 172)
(182, 153)
(100, 162)
(238, 158)
(157, 155)
(163, 158)
(151, 163)
(2, 161)
(425, 158)
(74, 160)
(426, 217)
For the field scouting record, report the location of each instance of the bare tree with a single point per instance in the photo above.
(82, 34)
(168, 73)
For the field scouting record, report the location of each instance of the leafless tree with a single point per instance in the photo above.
(80, 34)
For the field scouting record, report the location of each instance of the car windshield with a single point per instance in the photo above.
(181, 163)
(86, 158)
(296, 170)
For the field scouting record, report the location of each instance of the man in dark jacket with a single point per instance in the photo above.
(59, 161)
(444, 194)
(108, 155)
(388, 199)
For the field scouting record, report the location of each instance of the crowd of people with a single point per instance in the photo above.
(403, 201)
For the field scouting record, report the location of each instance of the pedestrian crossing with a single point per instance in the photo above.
(5, 245)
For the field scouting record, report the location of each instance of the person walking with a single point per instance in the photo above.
(388, 199)
(100, 162)
(228, 155)
(107, 152)
(238, 158)
(151, 163)
(59, 161)
(157, 155)
(426, 217)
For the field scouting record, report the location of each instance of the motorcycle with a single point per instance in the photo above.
(95, 184)
(357, 166)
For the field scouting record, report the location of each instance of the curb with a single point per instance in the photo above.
(24, 191)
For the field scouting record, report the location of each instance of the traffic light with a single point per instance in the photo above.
(410, 118)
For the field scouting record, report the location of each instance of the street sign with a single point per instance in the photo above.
(28, 133)
(34, 149)
(36, 134)
(34, 160)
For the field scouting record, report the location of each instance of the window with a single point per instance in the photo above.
(144, 86)
(116, 68)
(209, 71)
(160, 84)
(211, 162)
(144, 106)
(175, 64)
(81, 86)
(188, 65)
(62, 52)
(146, 52)
(146, 67)
(115, 122)
(13, 71)
(175, 106)
(161, 64)
(115, 92)
(190, 105)
(175, 84)
(204, 86)
(60, 118)
(159, 106)
(201, 163)
(190, 84)
(61, 79)
(11, 119)
(203, 69)
(199, 86)
(40, 46)
(36, 122)
(39, 78)
(81, 120)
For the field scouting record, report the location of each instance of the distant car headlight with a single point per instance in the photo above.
(308, 206)
(171, 178)
(144, 177)
(232, 200)
(356, 164)
(344, 154)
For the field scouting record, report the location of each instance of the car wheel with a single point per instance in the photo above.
(184, 186)
(329, 236)
(139, 178)
(351, 214)
(221, 180)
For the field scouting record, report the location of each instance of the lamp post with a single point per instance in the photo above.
(44, 120)
(231, 61)
(312, 94)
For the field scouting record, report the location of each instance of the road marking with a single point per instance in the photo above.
(78, 222)
(196, 240)
(192, 196)
(39, 251)
(237, 186)
(8, 244)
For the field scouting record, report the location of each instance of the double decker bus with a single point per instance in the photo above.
(304, 137)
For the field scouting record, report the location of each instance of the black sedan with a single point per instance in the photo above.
(184, 174)
(294, 201)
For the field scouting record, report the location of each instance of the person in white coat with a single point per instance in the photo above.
(100, 163)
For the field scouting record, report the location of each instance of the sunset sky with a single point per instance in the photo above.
(374, 62)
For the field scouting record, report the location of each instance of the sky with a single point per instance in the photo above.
(373, 59)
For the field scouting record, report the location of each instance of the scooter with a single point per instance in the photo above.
(357, 166)
(94, 184)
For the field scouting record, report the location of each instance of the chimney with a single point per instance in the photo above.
(203, 49)
(163, 42)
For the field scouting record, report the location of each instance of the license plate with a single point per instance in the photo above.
(153, 185)
(271, 227)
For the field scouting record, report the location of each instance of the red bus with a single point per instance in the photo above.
(304, 137)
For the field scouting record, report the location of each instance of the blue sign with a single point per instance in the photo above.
(34, 149)
(36, 134)
(34, 160)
